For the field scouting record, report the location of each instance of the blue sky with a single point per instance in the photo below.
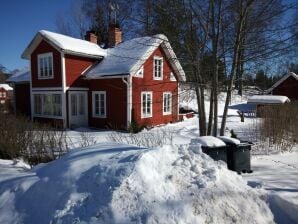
(20, 20)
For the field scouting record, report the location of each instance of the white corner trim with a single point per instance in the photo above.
(63, 75)
(31, 95)
(128, 83)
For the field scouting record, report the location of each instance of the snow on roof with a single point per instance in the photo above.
(67, 44)
(208, 141)
(268, 99)
(282, 80)
(127, 57)
(23, 76)
(6, 87)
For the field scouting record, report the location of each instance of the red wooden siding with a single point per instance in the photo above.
(116, 101)
(74, 66)
(158, 87)
(288, 88)
(22, 99)
(45, 47)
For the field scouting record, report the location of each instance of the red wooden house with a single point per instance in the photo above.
(286, 86)
(77, 83)
(5, 93)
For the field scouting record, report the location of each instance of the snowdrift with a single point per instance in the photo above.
(111, 183)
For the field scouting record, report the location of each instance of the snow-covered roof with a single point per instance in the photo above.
(268, 99)
(66, 44)
(282, 80)
(127, 57)
(23, 76)
(208, 141)
(6, 87)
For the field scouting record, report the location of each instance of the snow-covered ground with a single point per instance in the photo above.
(110, 183)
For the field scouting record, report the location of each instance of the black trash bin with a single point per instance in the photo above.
(238, 157)
(216, 153)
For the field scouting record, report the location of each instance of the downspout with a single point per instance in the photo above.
(128, 83)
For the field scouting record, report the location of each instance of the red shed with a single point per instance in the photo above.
(286, 86)
(78, 83)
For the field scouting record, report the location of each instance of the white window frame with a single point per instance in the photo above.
(4, 94)
(93, 104)
(146, 115)
(43, 56)
(164, 106)
(0, 94)
(43, 109)
(140, 72)
(161, 69)
(172, 77)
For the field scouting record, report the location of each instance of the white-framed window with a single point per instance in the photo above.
(48, 105)
(4, 94)
(99, 105)
(0, 94)
(146, 104)
(172, 77)
(45, 66)
(157, 68)
(167, 103)
(140, 72)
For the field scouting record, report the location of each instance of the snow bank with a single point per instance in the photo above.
(208, 141)
(268, 99)
(112, 183)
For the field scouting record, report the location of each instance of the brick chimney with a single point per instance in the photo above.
(115, 35)
(90, 36)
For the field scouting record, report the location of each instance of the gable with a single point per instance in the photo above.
(283, 79)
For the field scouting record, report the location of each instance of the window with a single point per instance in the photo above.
(167, 103)
(140, 73)
(172, 77)
(47, 105)
(4, 94)
(157, 68)
(99, 104)
(146, 104)
(45, 66)
(0, 94)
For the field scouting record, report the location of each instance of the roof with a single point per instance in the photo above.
(22, 76)
(127, 57)
(268, 99)
(6, 87)
(282, 80)
(66, 44)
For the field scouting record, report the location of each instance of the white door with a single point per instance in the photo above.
(78, 109)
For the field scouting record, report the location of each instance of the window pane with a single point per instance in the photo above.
(73, 105)
(50, 66)
(57, 111)
(81, 104)
(37, 104)
(47, 109)
(41, 67)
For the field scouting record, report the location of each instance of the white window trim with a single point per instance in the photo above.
(151, 107)
(42, 115)
(172, 77)
(45, 55)
(163, 103)
(161, 75)
(93, 104)
(141, 70)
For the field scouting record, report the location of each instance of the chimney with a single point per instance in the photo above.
(115, 35)
(90, 36)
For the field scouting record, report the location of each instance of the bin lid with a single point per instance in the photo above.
(208, 141)
(230, 140)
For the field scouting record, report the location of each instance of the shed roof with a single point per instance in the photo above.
(22, 76)
(6, 87)
(282, 80)
(267, 99)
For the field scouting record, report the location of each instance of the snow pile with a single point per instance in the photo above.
(111, 183)
(208, 141)
(268, 99)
